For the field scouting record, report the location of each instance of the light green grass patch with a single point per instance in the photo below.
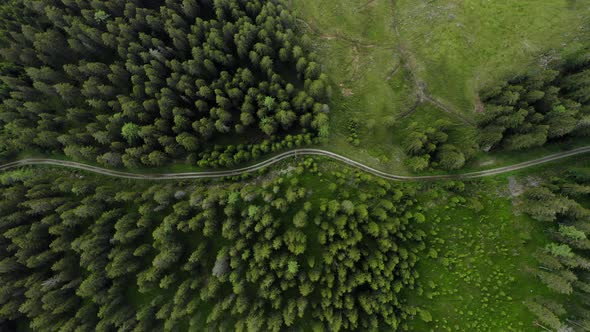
(355, 40)
(476, 278)
(463, 46)
(454, 47)
(368, 21)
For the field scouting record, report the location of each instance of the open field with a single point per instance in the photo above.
(357, 45)
(475, 278)
(385, 57)
(461, 47)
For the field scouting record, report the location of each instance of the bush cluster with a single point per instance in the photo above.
(429, 147)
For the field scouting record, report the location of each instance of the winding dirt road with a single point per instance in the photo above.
(286, 155)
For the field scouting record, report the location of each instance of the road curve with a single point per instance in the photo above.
(286, 155)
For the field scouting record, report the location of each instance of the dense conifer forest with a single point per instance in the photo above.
(564, 264)
(144, 83)
(531, 110)
(78, 252)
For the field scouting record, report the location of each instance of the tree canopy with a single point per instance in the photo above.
(430, 147)
(144, 83)
(78, 252)
(541, 106)
(564, 264)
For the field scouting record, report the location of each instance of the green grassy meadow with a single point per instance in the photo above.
(461, 47)
(451, 48)
(474, 278)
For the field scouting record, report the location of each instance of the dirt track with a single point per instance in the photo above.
(286, 155)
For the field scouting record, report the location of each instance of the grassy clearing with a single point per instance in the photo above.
(355, 40)
(463, 46)
(503, 158)
(477, 279)
(474, 278)
(363, 20)
(454, 47)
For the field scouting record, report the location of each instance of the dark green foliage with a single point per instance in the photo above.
(429, 147)
(564, 264)
(12, 14)
(353, 130)
(157, 81)
(529, 111)
(79, 253)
